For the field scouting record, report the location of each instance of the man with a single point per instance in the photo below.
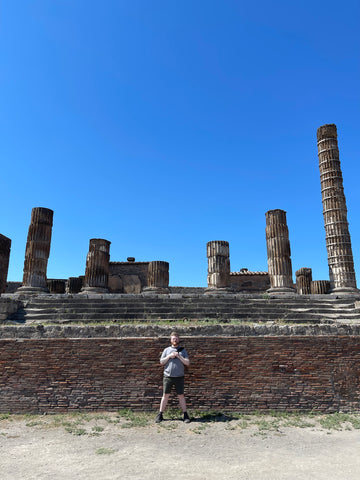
(173, 358)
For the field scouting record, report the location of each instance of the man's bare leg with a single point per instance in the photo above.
(164, 402)
(182, 402)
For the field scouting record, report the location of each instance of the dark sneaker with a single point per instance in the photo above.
(186, 418)
(159, 418)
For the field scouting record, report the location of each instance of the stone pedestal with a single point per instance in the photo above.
(320, 287)
(303, 281)
(97, 267)
(218, 278)
(157, 278)
(37, 252)
(5, 245)
(278, 253)
(338, 242)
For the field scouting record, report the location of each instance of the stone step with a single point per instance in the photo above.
(121, 308)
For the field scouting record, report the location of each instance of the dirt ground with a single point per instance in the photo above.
(131, 446)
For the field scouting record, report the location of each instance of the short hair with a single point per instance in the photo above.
(174, 334)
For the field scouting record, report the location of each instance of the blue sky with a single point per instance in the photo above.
(163, 124)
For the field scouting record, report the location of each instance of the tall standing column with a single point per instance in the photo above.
(338, 241)
(97, 266)
(37, 251)
(218, 255)
(5, 245)
(157, 278)
(278, 252)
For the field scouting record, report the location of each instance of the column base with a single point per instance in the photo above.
(218, 291)
(155, 290)
(91, 290)
(344, 291)
(28, 290)
(282, 291)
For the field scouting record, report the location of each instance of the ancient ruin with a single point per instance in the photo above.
(5, 245)
(37, 251)
(338, 242)
(257, 340)
(97, 266)
(303, 281)
(278, 251)
(218, 255)
(158, 277)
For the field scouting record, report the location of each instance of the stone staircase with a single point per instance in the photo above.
(112, 308)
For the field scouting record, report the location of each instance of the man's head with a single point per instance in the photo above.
(174, 339)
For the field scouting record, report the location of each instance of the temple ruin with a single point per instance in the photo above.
(104, 276)
(258, 341)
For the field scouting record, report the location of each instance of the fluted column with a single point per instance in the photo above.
(5, 245)
(97, 266)
(278, 252)
(218, 255)
(320, 287)
(74, 284)
(157, 277)
(37, 251)
(338, 241)
(56, 286)
(303, 281)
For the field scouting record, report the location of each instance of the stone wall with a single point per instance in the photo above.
(252, 282)
(127, 277)
(235, 373)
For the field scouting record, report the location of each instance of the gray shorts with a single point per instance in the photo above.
(177, 381)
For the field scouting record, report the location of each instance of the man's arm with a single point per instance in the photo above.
(164, 360)
(184, 360)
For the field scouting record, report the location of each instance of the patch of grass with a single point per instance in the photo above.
(76, 431)
(105, 451)
(169, 426)
(134, 419)
(34, 423)
(5, 416)
(340, 421)
(96, 428)
(199, 429)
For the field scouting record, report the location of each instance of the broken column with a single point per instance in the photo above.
(218, 255)
(337, 236)
(74, 284)
(157, 277)
(97, 267)
(37, 251)
(320, 287)
(278, 252)
(303, 281)
(5, 245)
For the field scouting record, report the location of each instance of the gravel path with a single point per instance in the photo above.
(99, 447)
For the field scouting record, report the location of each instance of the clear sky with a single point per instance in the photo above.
(163, 124)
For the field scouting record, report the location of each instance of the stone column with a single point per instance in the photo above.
(303, 281)
(74, 284)
(218, 278)
(337, 236)
(5, 245)
(97, 267)
(320, 287)
(37, 251)
(56, 286)
(157, 278)
(278, 252)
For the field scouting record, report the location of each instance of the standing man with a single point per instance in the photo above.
(173, 359)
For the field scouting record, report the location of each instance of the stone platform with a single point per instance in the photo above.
(189, 308)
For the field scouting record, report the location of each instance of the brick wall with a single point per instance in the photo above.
(227, 373)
